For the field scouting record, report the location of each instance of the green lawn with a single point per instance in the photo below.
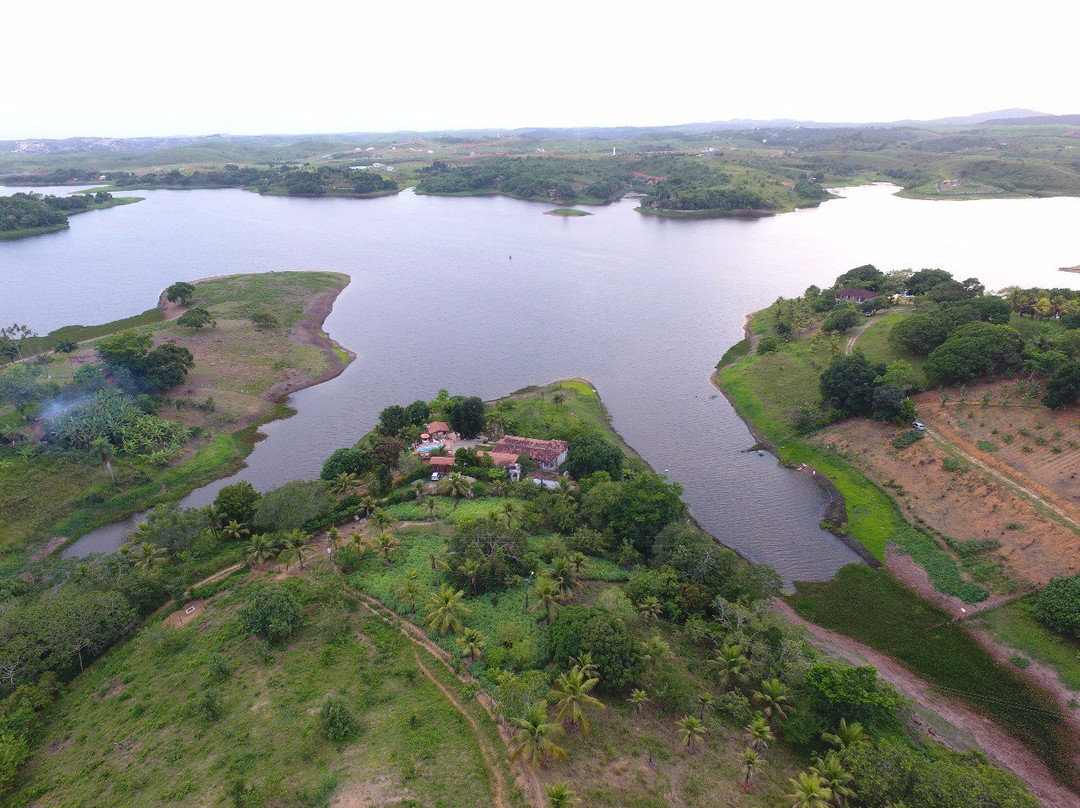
(1014, 626)
(874, 342)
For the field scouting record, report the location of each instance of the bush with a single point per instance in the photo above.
(1057, 605)
(586, 629)
(769, 344)
(841, 319)
(335, 719)
(271, 614)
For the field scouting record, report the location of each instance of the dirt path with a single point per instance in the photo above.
(998, 745)
(849, 346)
(525, 776)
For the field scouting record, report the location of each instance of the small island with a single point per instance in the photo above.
(566, 212)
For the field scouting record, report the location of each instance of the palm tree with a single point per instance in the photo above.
(751, 762)
(759, 732)
(836, 778)
(534, 739)
(809, 792)
(66, 346)
(846, 735)
(386, 544)
(508, 511)
(471, 569)
(344, 483)
(650, 608)
(656, 650)
(101, 447)
(455, 485)
(418, 488)
(560, 796)
(572, 693)
(381, 520)
(730, 665)
(261, 548)
(705, 702)
(446, 610)
(149, 555)
(639, 698)
(585, 662)
(473, 643)
(235, 531)
(292, 547)
(431, 502)
(410, 590)
(771, 696)
(579, 562)
(562, 572)
(333, 536)
(548, 596)
(691, 730)
(365, 506)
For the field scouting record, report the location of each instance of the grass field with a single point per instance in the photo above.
(873, 608)
(236, 365)
(1013, 625)
(136, 730)
(874, 342)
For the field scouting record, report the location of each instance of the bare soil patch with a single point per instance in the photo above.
(186, 615)
(378, 791)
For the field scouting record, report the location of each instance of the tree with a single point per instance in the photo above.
(534, 740)
(196, 318)
(180, 292)
(1063, 388)
(974, 350)
(650, 608)
(730, 665)
(386, 544)
(639, 698)
(809, 792)
(14, 752)
(261, 548)
(172, 527)
(167, 366)
(846, 735)
(579, 630)
(841, 319)
(771, 696)
(149, 555)
(292, 547)
(293, 505)
(235, 530)
(847, 384)
(691, 730)
(643, 507)
(472, 643)
(561, 796)
(466, 416)
(1057, 605)
(852, 692)
(835, 777)
(751, 764)
(759, 732)
(445, 611)
(409, 590)
(21, 388)
(271, 613)
(237, 503)
(589, 452)
(571, 694)
(13, 339)
(126, 350)
(455, 485)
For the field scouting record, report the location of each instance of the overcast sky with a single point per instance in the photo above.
(121, 68)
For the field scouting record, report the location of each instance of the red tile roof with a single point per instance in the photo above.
(437, 426)
(501, 459)
(545, 450)
(440, 463)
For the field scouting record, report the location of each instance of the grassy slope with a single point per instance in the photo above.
(235, 364)
(129, 732)
(1012, 625)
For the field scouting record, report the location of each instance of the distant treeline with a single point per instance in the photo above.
(543, 178)
(31, 211)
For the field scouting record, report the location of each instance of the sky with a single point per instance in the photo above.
(116, 68)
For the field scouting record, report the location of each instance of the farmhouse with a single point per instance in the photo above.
(855, 296)
(441, 464)
(438, 430)
(547, 454)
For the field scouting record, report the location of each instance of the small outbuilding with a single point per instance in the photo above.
(441, 463)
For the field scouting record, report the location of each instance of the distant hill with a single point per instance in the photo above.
(1069, 120)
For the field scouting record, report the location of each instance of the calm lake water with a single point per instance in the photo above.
(483, 296)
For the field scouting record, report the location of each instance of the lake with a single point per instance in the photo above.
(484, 295)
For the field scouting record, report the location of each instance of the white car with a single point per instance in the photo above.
(919, 426)
(435, 476)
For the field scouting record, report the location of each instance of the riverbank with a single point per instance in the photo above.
(241, 377)
(28, 232)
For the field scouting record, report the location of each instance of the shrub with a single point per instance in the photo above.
(585, 629)
(271, 614)
(335, 719)
(1057, 605)
(769, 344)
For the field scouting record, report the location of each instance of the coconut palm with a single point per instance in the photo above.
(639, 698)
(292, 546)
(759, 732)
(333, 536)
(345, 482)
(381, 520)
(571, 692)
(418, 488)
(150, 555)
(365, 506)
(549, 597)
(836, 778)
(507, 512)
(650, 608)
(705, 702)
(846, 735)
(560, 796)
(455, 485)
(472, 569)
(410, 590)
(261, 548)
(579, 562)
(586, 664)
(656, 650)
(534, 739)
(446, 610)
(563, 573)
(730, 665)
(104, 450)
(431, 502)
(751, 763)
(386, 544)
(235, 531)
(691, 730)
(809, 792)
(472, 643)
(771, 696)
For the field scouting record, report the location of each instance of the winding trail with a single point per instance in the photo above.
(999, 745)
(526, 778)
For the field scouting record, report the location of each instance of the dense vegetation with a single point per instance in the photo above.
(572, 181)
(35, 212)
